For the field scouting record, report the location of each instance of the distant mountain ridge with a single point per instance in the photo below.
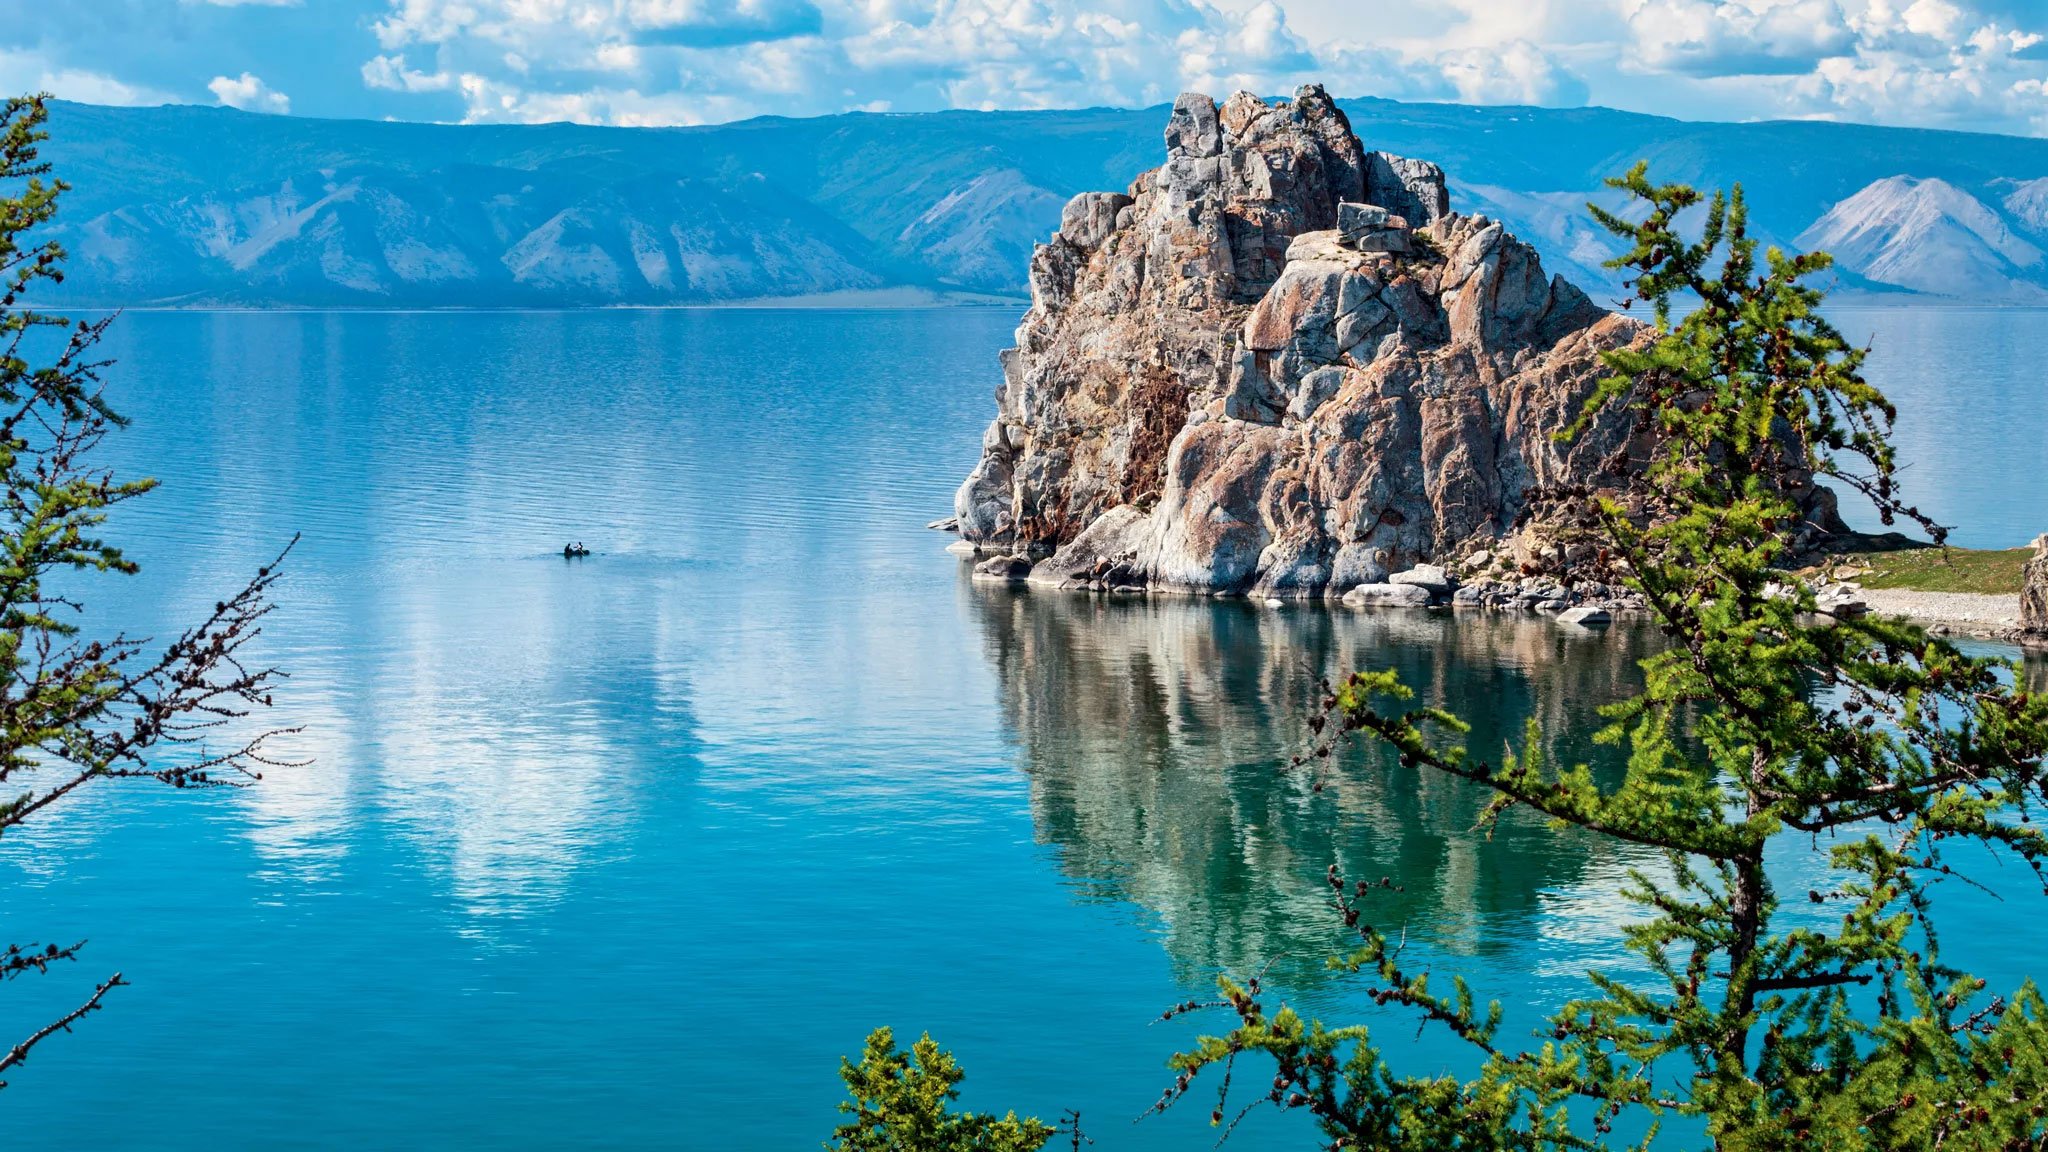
(1927, 235)
(198, 206)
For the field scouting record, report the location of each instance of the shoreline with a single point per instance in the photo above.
(1978, 615)
(1970, 615)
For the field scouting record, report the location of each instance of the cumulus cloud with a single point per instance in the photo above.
(1930, 62)
(1936, 63)
(391, 74)
(249, 93)
(694, 60)
(1737, 37)
(30, 71)
(1517, 72)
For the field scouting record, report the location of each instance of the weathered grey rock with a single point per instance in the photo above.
(1357, 219)
(1311, 390)
(945, 524)
(1397, 241)
(1357, 564)
(1841, 600)
(1290, 415)
(1371, 228)
(1586, 616)
(1090, 218)
(1105, 554)
(1013, 569)
(1413, 189)
(1387, 596)
(1429, 577)
(2034, 592)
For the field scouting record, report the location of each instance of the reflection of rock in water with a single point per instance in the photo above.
(1156, 731)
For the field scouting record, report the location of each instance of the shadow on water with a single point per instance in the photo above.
(1156, 731)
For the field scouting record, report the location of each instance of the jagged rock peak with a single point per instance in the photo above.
(1279, 363)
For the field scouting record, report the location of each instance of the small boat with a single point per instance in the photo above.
(572, 551)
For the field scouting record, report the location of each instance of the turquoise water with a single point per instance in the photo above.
(626, 852)
(1971, 386)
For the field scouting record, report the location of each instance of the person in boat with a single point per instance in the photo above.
(576, 549)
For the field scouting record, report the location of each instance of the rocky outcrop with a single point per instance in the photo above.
(1279, 364)
(2034, 593)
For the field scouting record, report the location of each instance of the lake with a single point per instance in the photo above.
(626, 852)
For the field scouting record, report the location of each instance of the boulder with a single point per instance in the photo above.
(1012, 569)
(1841, 600)
(1387, 596)
(1371, 228)
(1585, 616)
(1429, 577)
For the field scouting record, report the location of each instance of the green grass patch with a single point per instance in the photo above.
(1940, 569)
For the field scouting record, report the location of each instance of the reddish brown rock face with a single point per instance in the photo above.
(1341, 408)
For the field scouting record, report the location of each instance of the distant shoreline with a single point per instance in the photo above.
(877, 300)
(860, 300)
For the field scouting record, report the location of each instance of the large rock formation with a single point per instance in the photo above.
(2034, 594)
(1280, 364)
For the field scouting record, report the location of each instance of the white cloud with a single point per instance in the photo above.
(391, 74)
(697, 60)
(26, 71)
(1939, 62)
(249, 93)
(1927, 62)
(1517, 72)
(1737, 37)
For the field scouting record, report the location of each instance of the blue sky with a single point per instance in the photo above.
(1977, 64)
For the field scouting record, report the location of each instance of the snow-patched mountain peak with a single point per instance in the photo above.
(1927, 235)
(2026, 201)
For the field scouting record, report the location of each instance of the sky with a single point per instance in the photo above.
(1972, 64)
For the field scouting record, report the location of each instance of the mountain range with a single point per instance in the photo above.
(189, 206)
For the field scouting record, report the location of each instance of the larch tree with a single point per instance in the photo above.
(1751, 1017)
(75, 709)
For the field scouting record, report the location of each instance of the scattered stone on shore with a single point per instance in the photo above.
(1963, 613)
(1841, 600)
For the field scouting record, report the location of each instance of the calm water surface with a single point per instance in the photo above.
(626, 852)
